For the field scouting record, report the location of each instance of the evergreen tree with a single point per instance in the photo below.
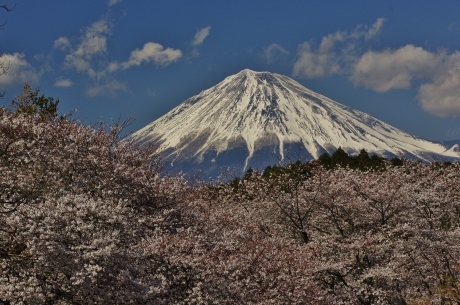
(29, 102)
(325, 160)
(396, 161)
(363, 159)
(340, 157)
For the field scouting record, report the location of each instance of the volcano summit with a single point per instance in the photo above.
(256, 119)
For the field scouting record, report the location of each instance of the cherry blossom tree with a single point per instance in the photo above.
(378, 236)
(75, 203)
(86, 217)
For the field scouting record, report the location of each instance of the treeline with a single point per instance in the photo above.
(362, 161)
(339, 159)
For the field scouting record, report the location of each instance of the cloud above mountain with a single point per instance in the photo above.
(273, 51)
(325, 59)
(200, 36)
(198, 40)
(393, 69)
(152, 52)
(435, 75)
(441, 94)
(437, 72)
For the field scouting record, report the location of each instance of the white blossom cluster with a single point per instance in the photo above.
(75, 205)
(311, 235)
(86, 219)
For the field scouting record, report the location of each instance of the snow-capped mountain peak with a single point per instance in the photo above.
(259, 117)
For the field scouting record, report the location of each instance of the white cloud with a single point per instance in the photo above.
(63, 83)
(328, 42)
(113, 2)
(436, 74)
(325, 60)
(366, 32)
(375, 29)
(20, 71)
(92, 43)
(441, 95)
(113, 66)
(320, 62)
(88, 57)
(62, 43)
(151, 52)
(80, 64)
(315, 64)
(271, 51)
(439, 74)
(200, 36)
(110, 88)
(394, 69)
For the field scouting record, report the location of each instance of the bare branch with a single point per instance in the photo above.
(6, 8)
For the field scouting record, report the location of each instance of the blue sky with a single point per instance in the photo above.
(396, 60)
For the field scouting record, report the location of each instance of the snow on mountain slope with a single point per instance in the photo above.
(253, 111)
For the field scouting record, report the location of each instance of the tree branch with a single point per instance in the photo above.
(6, 8)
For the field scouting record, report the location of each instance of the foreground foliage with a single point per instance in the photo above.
(75, 204)
(371, 237)
(87, 218)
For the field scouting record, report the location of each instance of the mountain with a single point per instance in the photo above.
(256, 119)
(453, 145)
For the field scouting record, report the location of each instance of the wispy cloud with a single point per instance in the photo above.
(200, 36)
(315, 61)
(153, 52)
(198, 40)
(271, 52)
(113, 2)
(319, 62)
(109, 88)
(88, 57)
(61, 82)
(150, 52)
(19, 71)
(92, 43)
(62, 43)
(368, 32)
(95, 40)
